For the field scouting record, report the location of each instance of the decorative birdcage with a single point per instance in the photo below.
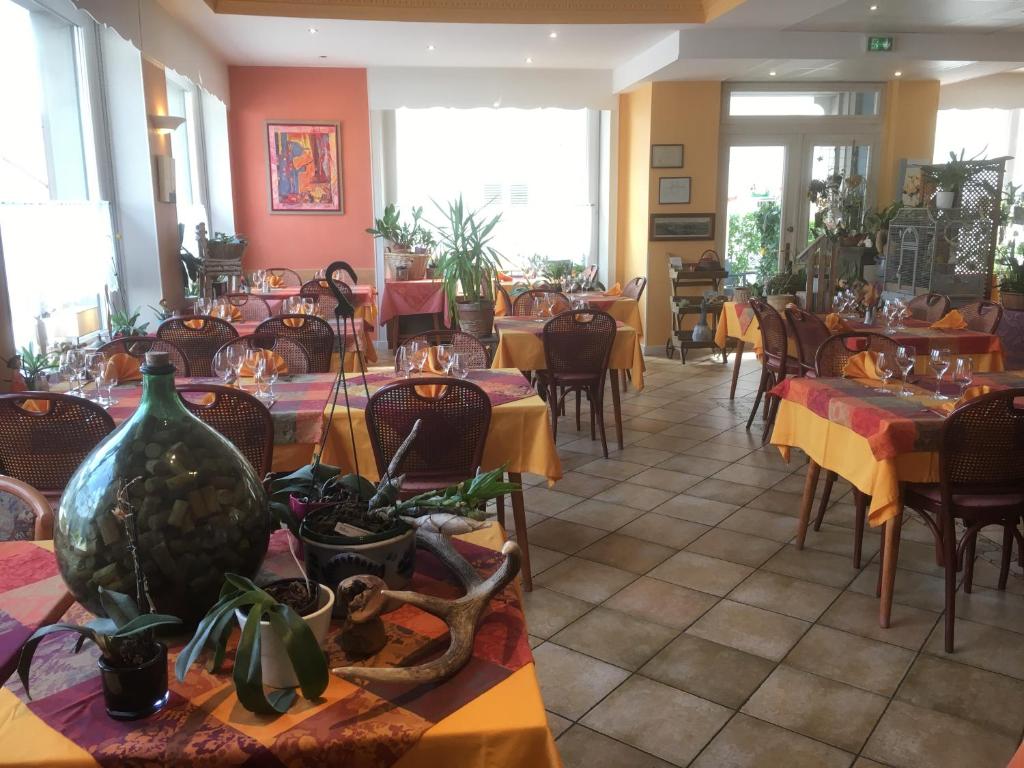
(949, 251)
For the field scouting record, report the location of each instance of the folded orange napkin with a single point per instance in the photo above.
(274, 362)
(953, 321)
(503, 278)
(969, 394)
(863, 365)
(36, 406)
(295, 322)
(501, 307)
(275, 281)
(228, 312)
(195, 324)
(615, 290)
(123, 367)
(835, 323)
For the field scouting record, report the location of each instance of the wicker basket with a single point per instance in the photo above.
(415, 265)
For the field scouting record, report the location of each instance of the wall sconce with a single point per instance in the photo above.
(164, 124)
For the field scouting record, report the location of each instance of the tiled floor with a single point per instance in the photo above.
(674, 623)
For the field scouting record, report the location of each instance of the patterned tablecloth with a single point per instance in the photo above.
(364, 296)
(490, 713)
(358, 330)
(413, 297)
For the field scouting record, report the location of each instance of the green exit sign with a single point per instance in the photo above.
(881, 44)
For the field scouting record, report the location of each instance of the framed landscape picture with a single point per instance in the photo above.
(304, 167)
(673, 190)
(682, 226)
(666, 156)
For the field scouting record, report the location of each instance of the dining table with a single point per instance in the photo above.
(738, 322)
(488, 713)
(402, 298)
(358, 332)
(873, 438)
(622, 308)
(364, 299)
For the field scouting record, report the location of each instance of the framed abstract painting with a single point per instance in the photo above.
(304, 167)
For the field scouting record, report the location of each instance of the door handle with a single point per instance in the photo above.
(789, 228)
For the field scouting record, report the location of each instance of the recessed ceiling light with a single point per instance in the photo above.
(897, 74)
(772, 73)
(430, 47)
(313, 30)
(553, 35)
(496, 104)
(873, 8)
(529, 60)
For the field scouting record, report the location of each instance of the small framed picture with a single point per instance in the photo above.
(682, 226)
(673, 190)
(666, 156)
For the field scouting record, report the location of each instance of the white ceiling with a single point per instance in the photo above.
(979, 16)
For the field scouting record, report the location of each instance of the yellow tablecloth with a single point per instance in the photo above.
(524, 350)
(519, 436)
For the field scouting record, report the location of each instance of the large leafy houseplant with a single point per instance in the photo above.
(125, 323)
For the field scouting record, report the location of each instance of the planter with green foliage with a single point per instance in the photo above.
(227, 247)
(950, 178)
(34, 366)
(782, 288)
(1011, 282)
(125, 323)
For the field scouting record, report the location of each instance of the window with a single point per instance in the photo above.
(820, 103)
(181, 102)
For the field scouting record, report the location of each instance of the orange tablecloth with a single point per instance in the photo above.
(413, 297)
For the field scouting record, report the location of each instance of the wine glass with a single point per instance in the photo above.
(222, 367)
(255, 363)
(444, 356)
(270, 376)
(905, 360)
(106, 377)
(458, 366)
(885, 366)
(963, 374)
(420, 356)
(73, 361)
(308, 306)
(404, 361)
(939, 360)
(95, 362)
(235, 358)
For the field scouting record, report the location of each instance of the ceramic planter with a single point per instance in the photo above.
(476, 318)
(944, 199)
(779, 301)
(131, 693)
(1011, 300)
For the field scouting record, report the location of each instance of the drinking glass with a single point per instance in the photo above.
(270, 376)
(939, 361)
(308, 305)
(404, 359)
(106, 377)
(234, 357)
(884, 364)
(73, 361)
(459, 367)
(222, 367)
(420, 356)
(95, 362)
(905, 360)
(963, 374)
(256, 364)
(444, 356)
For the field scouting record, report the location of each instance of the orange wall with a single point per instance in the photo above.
(296, 240)
(634, 180)
(908, 132)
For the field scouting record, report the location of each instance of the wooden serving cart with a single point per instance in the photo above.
(689, 283)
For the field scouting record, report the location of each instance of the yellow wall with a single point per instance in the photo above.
(634, 183)
(908, 130)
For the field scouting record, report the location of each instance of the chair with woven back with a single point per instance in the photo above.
(635, 288)
(313, 334)
(289, 277)
(45, 436)
(253, 308)
(320, 292)
(198, 337)
(296, 360)
(589, 277)
(530, 302)
(577, 347)
(776, 363)
(981, 452)
(982, 316)
(471, 351)
(809, 332)
(929, 306)
(25, 514)
(136, 347)
(242, 419)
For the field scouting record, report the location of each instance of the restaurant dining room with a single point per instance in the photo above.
(587, 384)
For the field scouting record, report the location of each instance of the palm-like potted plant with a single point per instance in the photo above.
(949, 179)
(468, 265)
(125, 323)
(34, 366)
(1011, 282)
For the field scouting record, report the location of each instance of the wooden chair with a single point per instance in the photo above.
(321, 293)
(199, 344)
(44, 447)
(290, 278)
(469, 347)
(589, 277)
(983, 316)
(529, 302)
(291, 351)
(312, 333)
(138, 346)
(776, 363)
(981, 452)
(242, 419)
(25, 514)
(810, 332)
(577, 347)
(253, 308)
(929, 306)
(635, 288)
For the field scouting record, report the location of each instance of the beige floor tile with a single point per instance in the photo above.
(839, 541)
(988, 700)
(749, 629)
(785, 594)
(584, 579)
(613, 469)
(750, 743)
(718, 451)
(564, 535)
(735, 547)
(858, 661)
(757, 522)
(987, 606)
(542, 558)
(750, 441)
(584, 486)
(770, 458)
(706, 574)
(534, 641)
(572, 683)
(600, 514)
(546, 501)
(572, 461)
(715, 672)
(779, 502)
(981, 645)
(663, 530)
(919, 557)
(581, 747)
(663, 442)
(627, 553)
(557, 724)
(811, 565)
(758, 477)
(693, 431)
(661, 602)
(547, 611)
(714, 421)
(647, 456)
(694, 465)
(646, 424)
(617, 638)
(912, 588)
(725, 491)
(914, 737)
(666, 479)
(863, 762)
(642, 497)
(817, 707)
(664, 721)
(909, 627)
(696, 509)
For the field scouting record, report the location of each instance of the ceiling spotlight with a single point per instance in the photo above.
(313, 30)
(873, 8)
(553, 35)
(430, 47)
(897, 73)
(496, 104)
(772, 73)
(529, 60)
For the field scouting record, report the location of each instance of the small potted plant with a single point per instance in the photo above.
(1011, 283)
(34, 367)
(781, 289)
(125, 323)
(949, 179)
(228, 247)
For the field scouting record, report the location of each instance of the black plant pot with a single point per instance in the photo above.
(131, 693)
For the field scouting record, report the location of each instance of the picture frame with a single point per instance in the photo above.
(674, 190)
(304, 169)
(666, 156)
(682, 226)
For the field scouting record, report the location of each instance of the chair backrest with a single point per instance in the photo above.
(837, 350)
(314, 334)
(25, 514)
(291, 278)
(242, 419)
(589, 276)
(635, 288)
(579, 341)
(469, 347)
(774, 338)
(983, 316)
(529, 302)
(198, 344)
(982, 445)
(321, 293)
(44, 447)
(929, 306)
(251, 307)
(453, 428)
(809, 331)
(138, 346)
(291, 351)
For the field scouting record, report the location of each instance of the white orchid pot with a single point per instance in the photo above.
(944, 199)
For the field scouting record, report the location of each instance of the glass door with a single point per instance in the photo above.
(831, 158)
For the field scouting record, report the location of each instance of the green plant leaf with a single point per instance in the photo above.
(144, 622)
(28, 650)
(305, 653)
(119, 606)
(248, 671)
(188, 655)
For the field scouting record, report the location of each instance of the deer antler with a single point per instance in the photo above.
(461, 615)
